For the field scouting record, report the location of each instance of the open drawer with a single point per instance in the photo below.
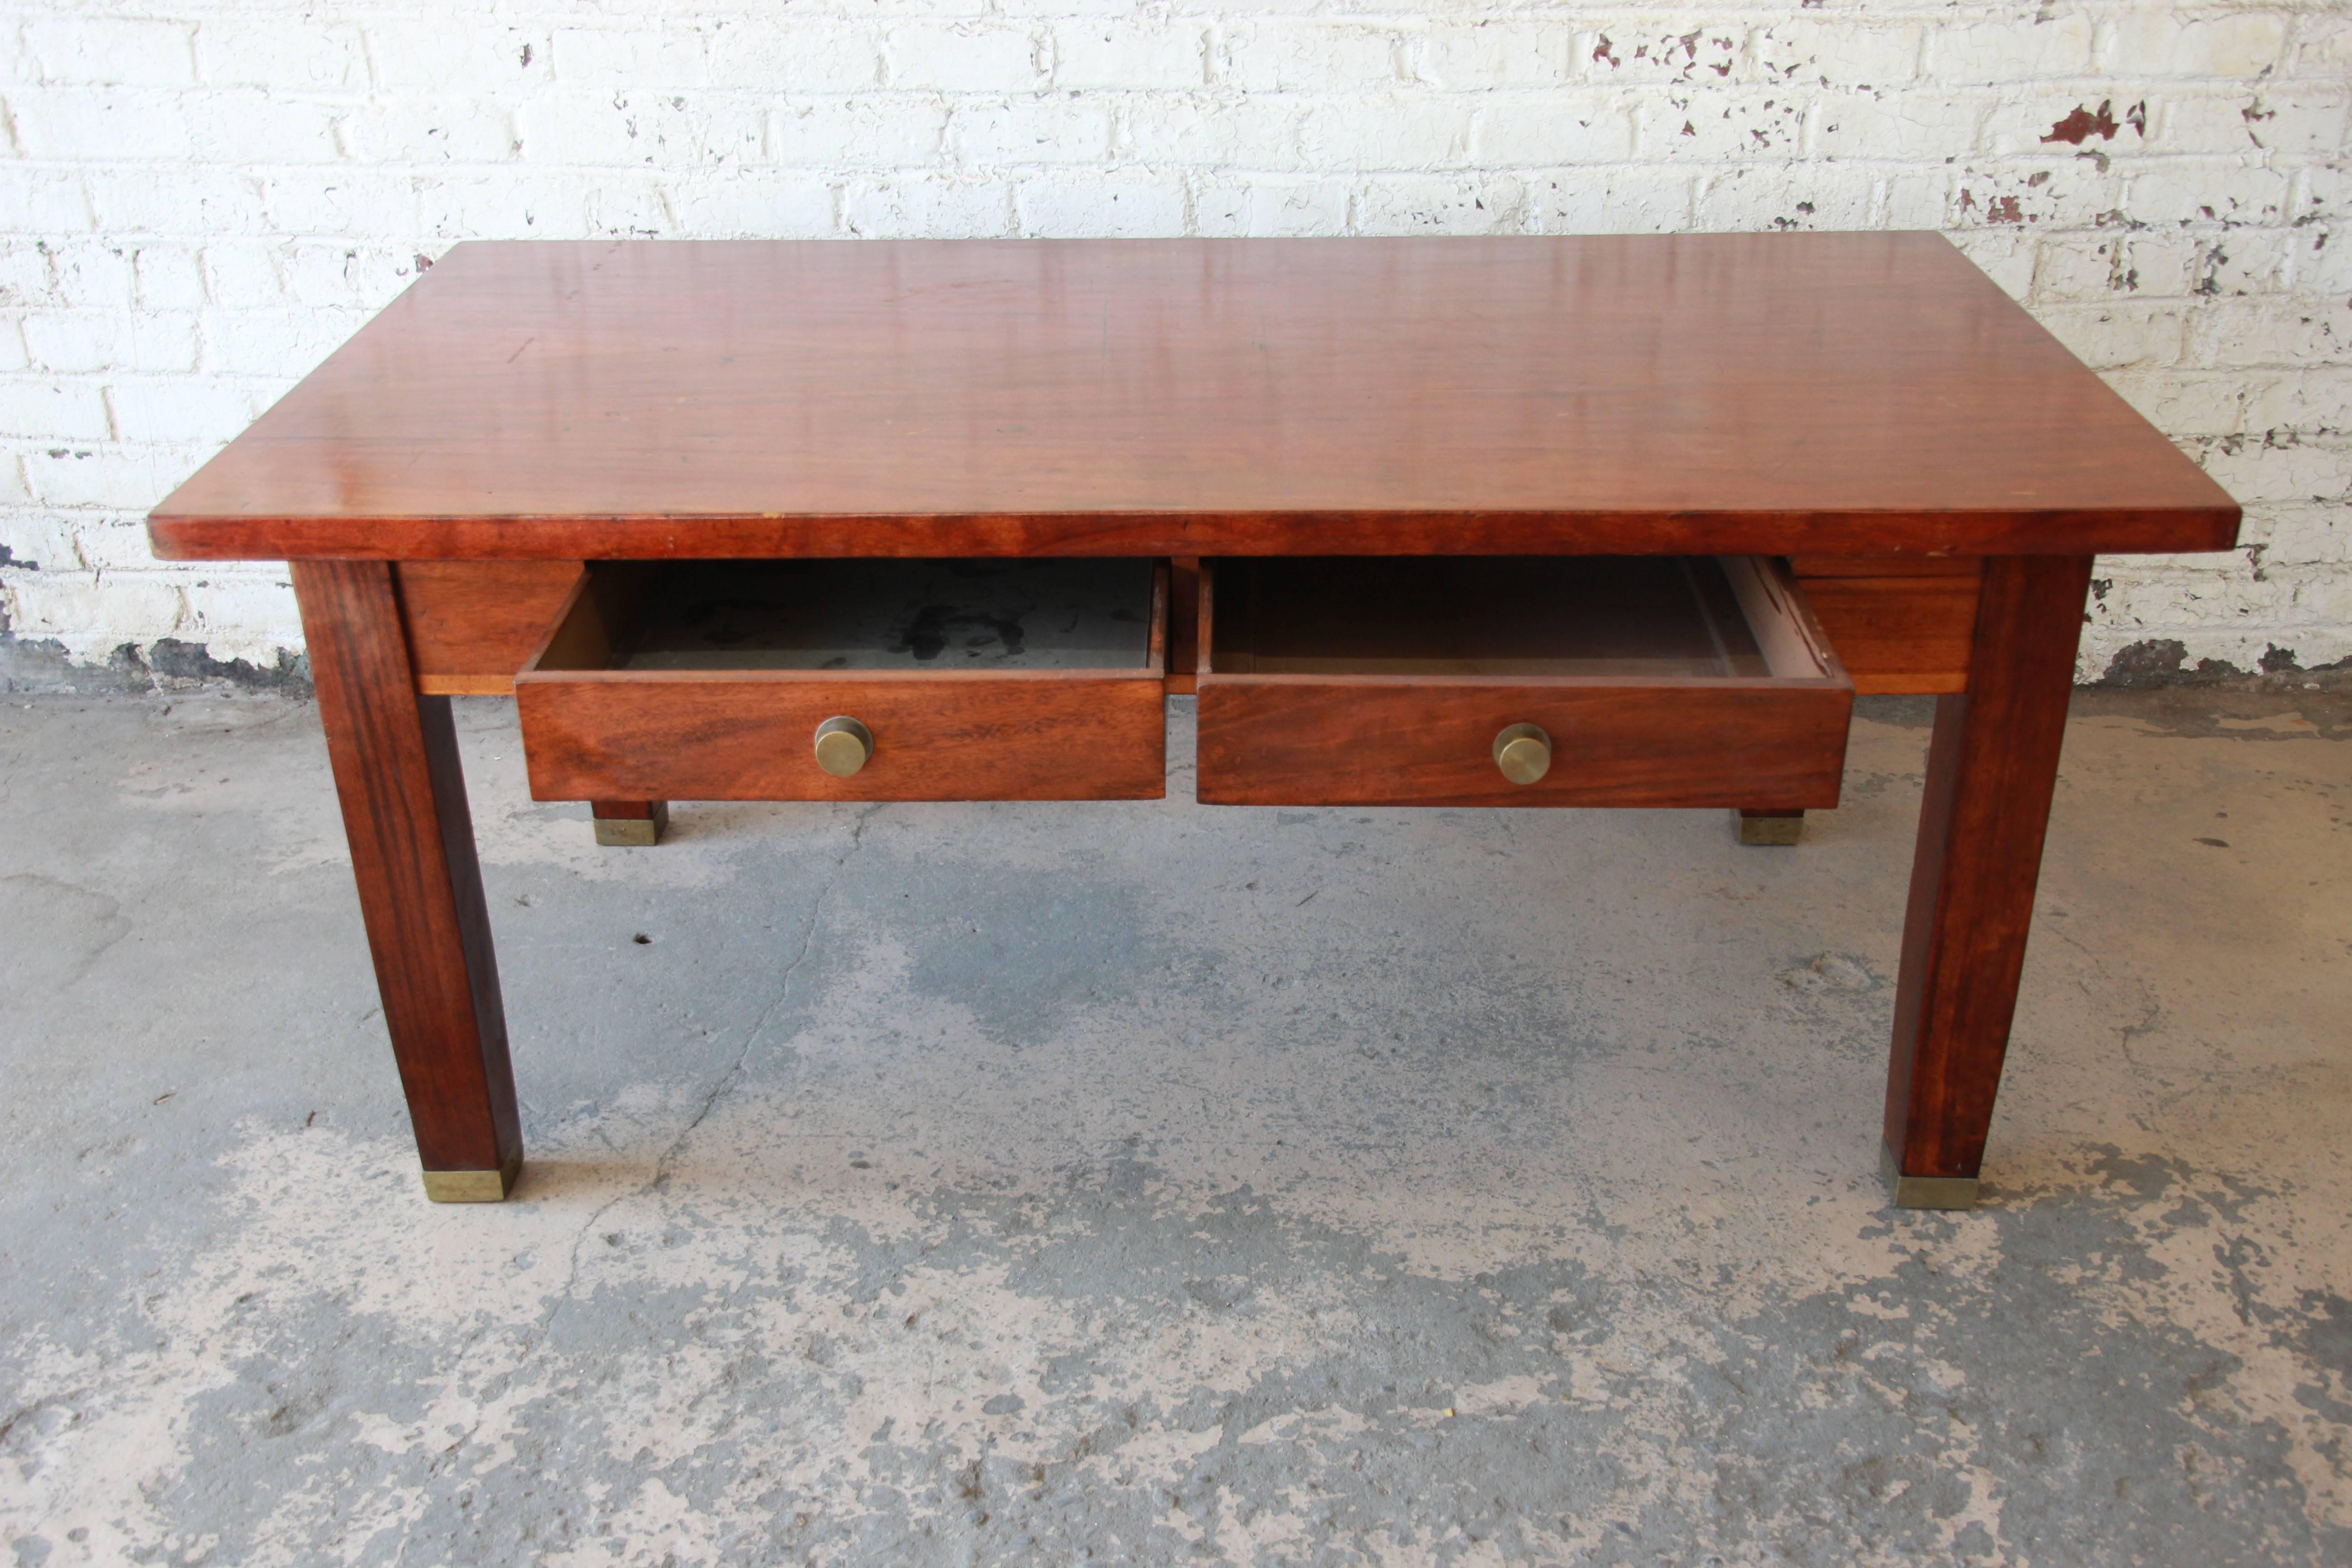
(1568, 680)
(874, 679)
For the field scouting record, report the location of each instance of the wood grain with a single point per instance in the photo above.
(1902, 625)
(395, 756)
(597, 734)
(1992, 770)
(1758, 742)
(1278, 739)
(472, 624)
(1690, 395)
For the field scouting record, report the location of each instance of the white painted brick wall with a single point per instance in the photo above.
(198, 200)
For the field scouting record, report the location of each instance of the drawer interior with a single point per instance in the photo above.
(1648, 617)
(920, 617)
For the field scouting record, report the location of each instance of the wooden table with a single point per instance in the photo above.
(1904, 478)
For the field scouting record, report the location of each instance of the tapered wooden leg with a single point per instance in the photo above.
(1993, 768)
(629, 824)
(396, 769)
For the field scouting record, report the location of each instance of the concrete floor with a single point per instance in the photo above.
(1161, 1183)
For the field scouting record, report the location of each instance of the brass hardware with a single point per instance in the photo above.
(1925, 1192)
(472, 1186)
(843, 745)
(1770, 827)
(1523, 752)
(632, 832)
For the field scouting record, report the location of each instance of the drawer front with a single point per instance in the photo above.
(1377, 687)
(619, 703)
(1295, 741)
(700, 735)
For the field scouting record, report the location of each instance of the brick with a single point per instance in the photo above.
(2095, 266)
(2185, 191)
(2042, 195)
(2245, 261)
(2263, 332)
(1244, 130)
(283, 53)
(42, 201)
(1835, 51)
(2308, 401)
(58, 409)
(927, 205)
(93, 341)
(1287, 54)
(343, 202)
(2129, 334)
(84, 274)
(588, 129)
(1114, 206)
(101, 124)
(411, 130)
(636, 60)
(1119, 54)
(34, 535)
(1546, 130)
(176, 201)
(2008, 50)
(871, 131)
(755, 204)
(757, 56)
(1816, 197)
(963, 57)
(2157, 42)
(1498, 52)
(1928, 123)
(1436, 204)
(2241, 121)
(419, 53)
(109, 51)
(1228, 204)
(1608, 201)
(2312, 535)
(241, 614)
(2321, 48)
(1032, 129)
(2185, 403)
(246, 125)
(168, 278)
(1644, 52)
(339, 275)
(13, 357)
(116, 540)
(1386, 132)
(90, 613)
(184, 409)
(510, 203)
(1718, 127)
(2289, 469)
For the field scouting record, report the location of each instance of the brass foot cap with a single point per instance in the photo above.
(471, 1186)
(1925, 1192)
(633, 831)
(1778, 828)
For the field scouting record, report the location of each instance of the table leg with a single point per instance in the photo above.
(395, 755)
(1993, 768)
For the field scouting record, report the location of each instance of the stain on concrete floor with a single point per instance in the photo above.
(1161, 1183)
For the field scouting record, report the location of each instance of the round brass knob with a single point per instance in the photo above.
(843, 744)
(1523, 752)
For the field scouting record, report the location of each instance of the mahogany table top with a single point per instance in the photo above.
(1689, 393)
